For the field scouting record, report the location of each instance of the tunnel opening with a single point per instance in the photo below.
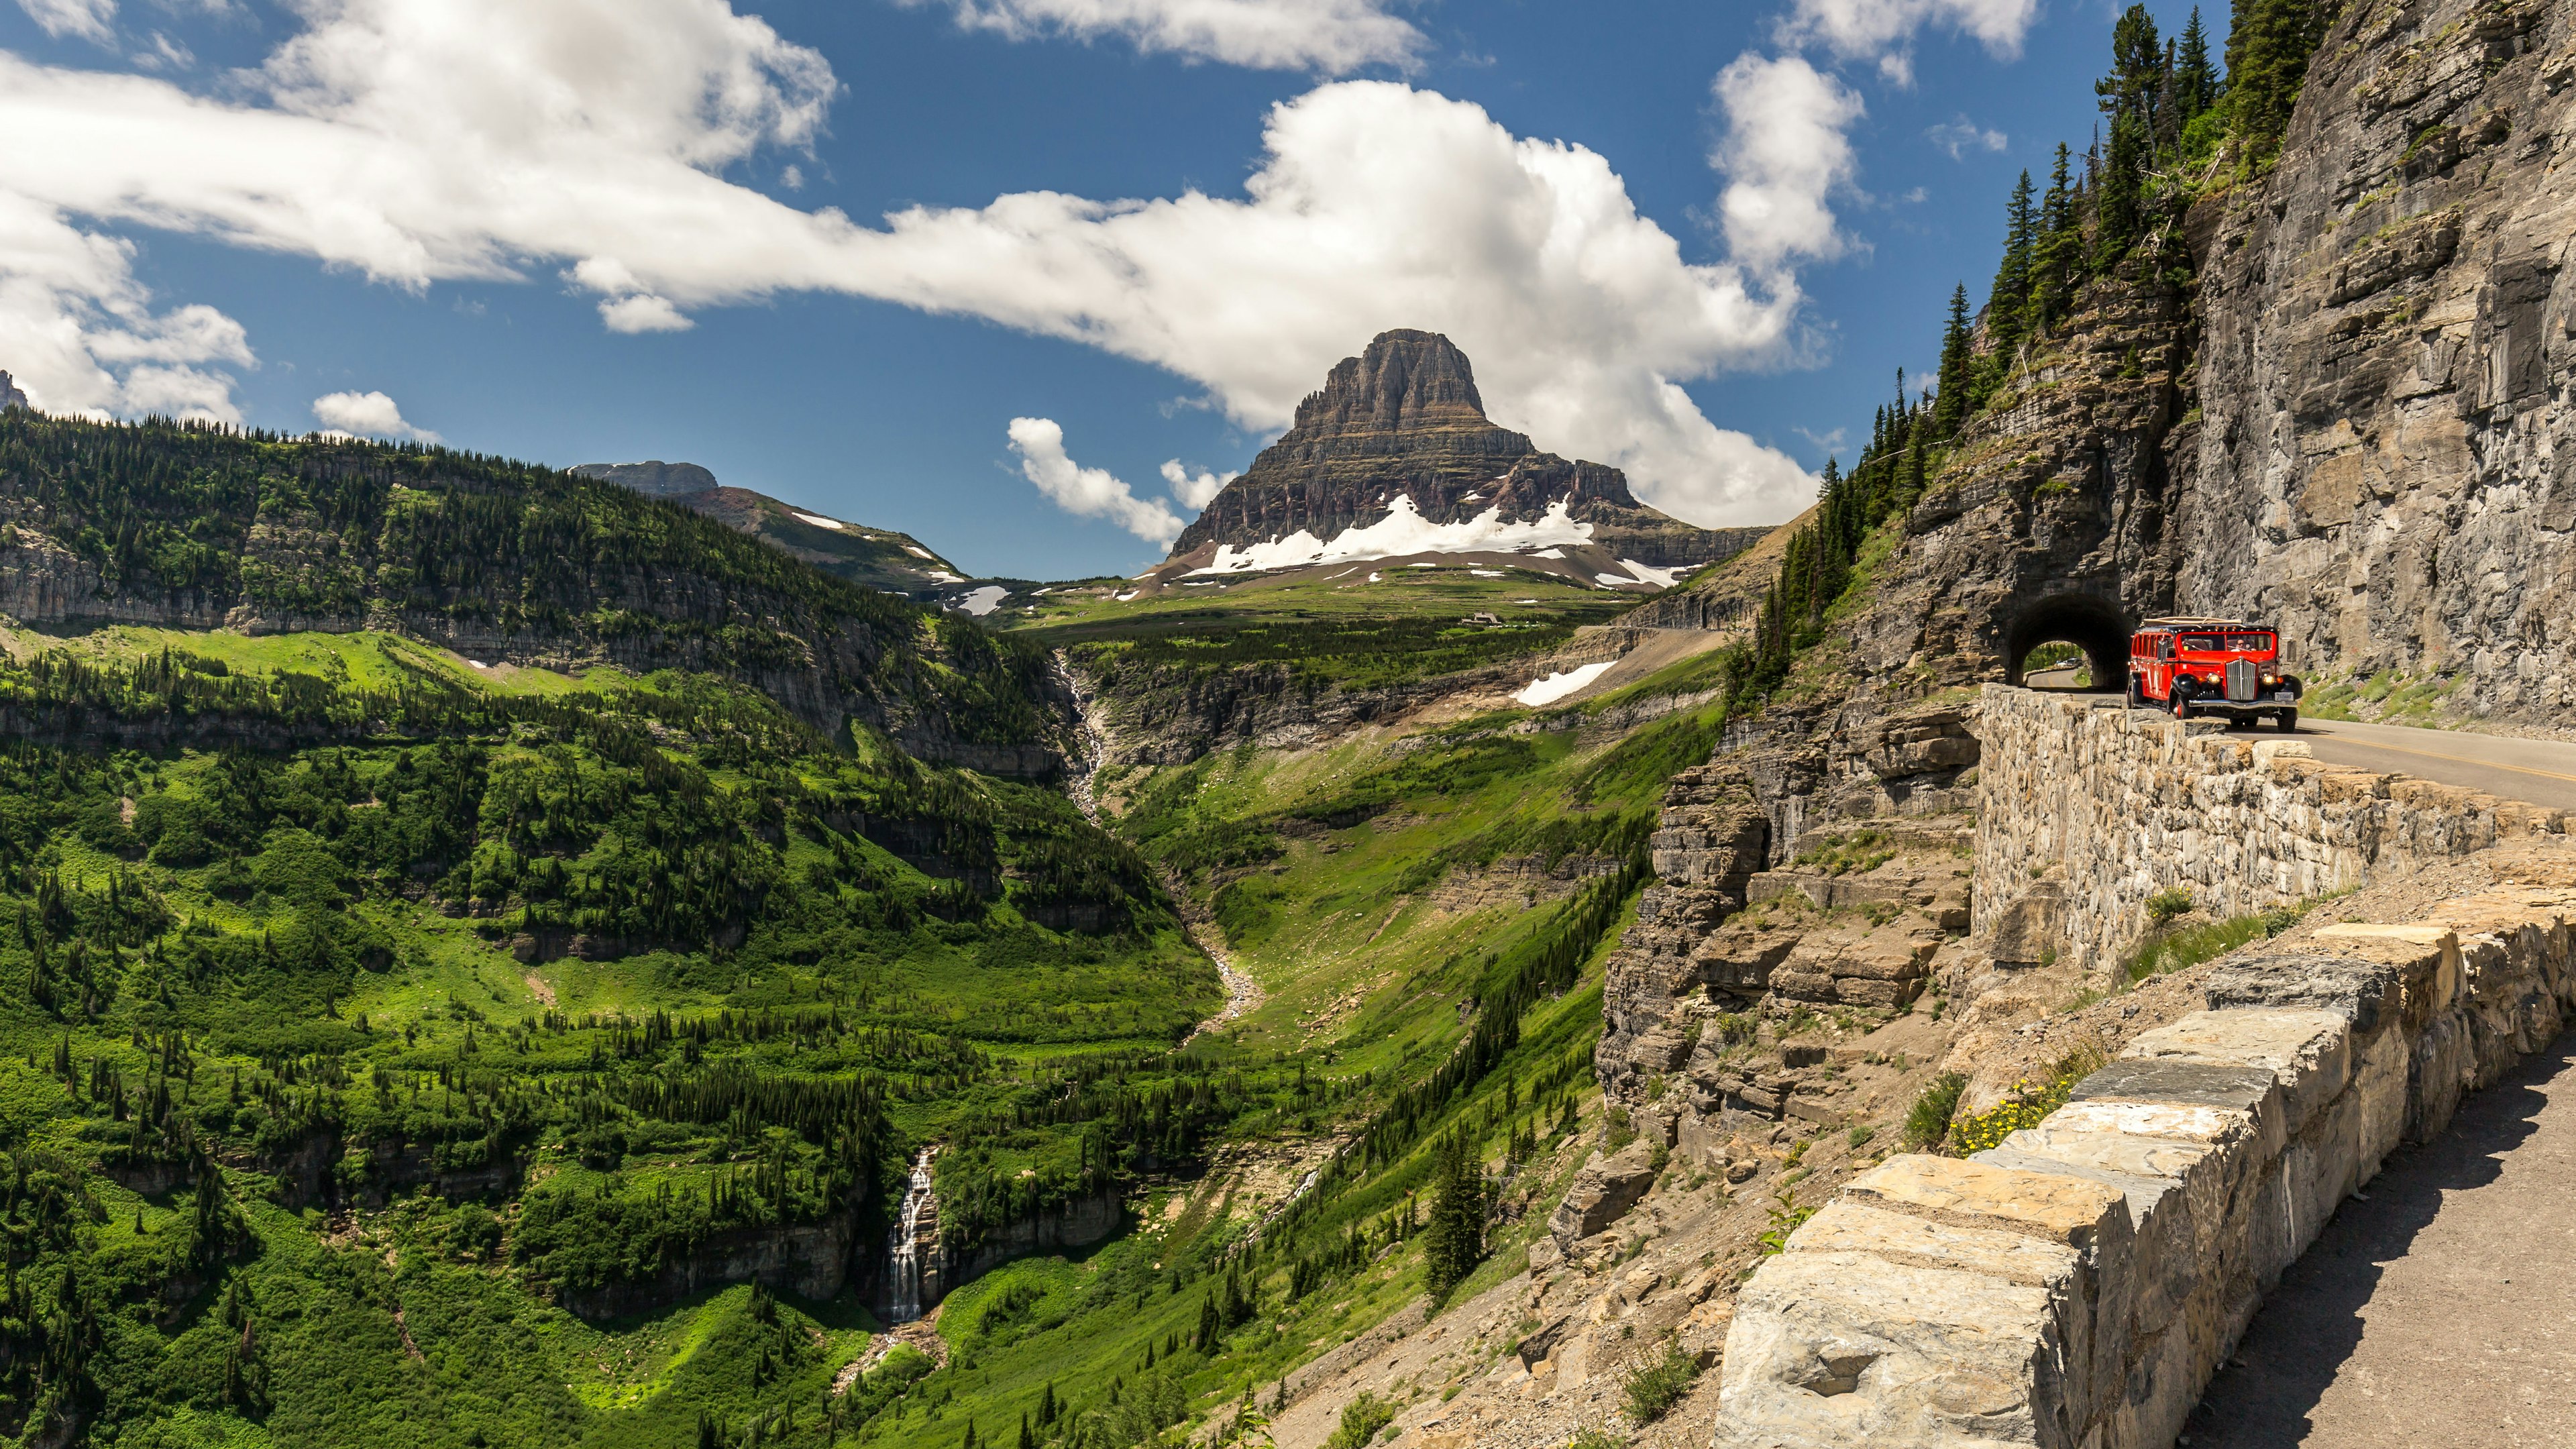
(2075, 642)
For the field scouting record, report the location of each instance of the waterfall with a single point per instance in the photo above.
(916, 1228)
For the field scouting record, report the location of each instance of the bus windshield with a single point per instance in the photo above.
(2257, 642)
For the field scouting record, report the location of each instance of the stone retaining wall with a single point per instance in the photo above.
(2087, 808)
(2076, 1287)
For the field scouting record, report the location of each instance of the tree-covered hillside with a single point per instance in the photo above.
(417, 1089)
(203, 527)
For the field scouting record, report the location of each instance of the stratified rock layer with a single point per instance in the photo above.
(1404, 419)
(2387, 469)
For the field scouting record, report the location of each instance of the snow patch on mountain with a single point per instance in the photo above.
(1404, 530)
(1558, 686)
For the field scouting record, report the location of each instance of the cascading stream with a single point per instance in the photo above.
(915, 1224)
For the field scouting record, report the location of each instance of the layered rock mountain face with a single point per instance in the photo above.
(10, 396)
(2387, 466)
(1403, 421)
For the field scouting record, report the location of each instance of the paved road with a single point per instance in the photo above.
(2540, 771)
(2440, 1313)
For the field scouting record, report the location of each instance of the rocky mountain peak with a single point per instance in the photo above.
(1405, 381)
(10, 396)
(1401, 428)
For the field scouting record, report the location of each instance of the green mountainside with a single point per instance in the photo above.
(194, 527)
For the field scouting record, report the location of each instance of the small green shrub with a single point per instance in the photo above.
(1787, 1216)
(1361, 1419)
(1595, 1439)
(1659, 1381)
(1859, 1136)
(2165, 905)
(1929, 1120)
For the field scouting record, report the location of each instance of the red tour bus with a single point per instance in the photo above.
(2221, 667)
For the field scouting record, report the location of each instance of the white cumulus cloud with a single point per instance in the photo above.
(81, 335)
(1091, 492)
(643, 312)
(1194, 490)
(1786, 150)
(1331, 36)
(366, 415)
(503, 139)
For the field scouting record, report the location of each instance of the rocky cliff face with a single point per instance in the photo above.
(10, 396)
(2387, 466)
(655, 479)
(1404, 421)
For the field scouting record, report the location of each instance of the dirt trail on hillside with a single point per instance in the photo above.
(1242, 993)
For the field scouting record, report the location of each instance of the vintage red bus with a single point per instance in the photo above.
(2226, 668)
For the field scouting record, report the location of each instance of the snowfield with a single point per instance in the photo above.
(1404, 530)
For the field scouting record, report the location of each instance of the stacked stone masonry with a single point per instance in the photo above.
(2087, 809)
(2075, 1287)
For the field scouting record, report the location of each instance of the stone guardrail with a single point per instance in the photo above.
(2076, 1287)
(2086, 809)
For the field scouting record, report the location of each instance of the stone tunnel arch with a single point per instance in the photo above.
(2097, 626)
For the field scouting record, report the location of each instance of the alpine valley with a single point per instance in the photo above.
(492, 956)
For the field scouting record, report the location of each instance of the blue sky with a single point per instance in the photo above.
(568, 230)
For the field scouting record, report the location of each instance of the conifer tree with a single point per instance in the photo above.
(2195, 81)
(1027, 1439)
(2267, 58)
(2006, 303)
(1455, 1241)
(2060, 250)
(1958, 360)
(2128, 96)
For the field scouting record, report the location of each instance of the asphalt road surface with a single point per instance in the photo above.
(2542, 772)
(2436, 1311)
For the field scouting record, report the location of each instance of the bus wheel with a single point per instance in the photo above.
(2289, 719)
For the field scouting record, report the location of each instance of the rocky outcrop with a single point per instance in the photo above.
(811, 1260)
(1404, 420)
(655, 479)
(2386, 466)
(1078, 1224)
(1602, 1193)
(10, 396)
